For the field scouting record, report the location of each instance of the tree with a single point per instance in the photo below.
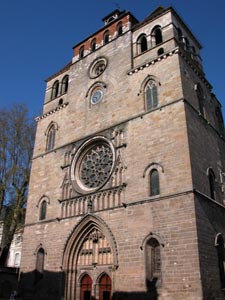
(17, 133)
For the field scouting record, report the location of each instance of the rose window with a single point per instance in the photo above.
(97, 67)
(92, 165)
(96, 166)
(100, 69)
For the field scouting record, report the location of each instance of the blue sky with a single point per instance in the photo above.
(37, 36)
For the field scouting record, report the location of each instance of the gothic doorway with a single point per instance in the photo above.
(85, 287)
(105, 287)
(90, 261)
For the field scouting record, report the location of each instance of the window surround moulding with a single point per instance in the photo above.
(154, 236)
(40, 246)
(43, 198)
(95, 85)
(150, 167)
(216, 244)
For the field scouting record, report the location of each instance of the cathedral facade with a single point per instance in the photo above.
(126, 195)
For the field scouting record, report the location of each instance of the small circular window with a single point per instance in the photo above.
(92, 165)
(96, 96)
(97, 67)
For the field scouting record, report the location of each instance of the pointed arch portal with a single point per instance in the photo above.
(89, 251)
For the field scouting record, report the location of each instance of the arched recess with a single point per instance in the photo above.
(201, 100)
(152, 247)
(104, 285)
(90, 238)
(55, 90)
(85, 287)
(40, 254)
(212, 182)
(151, 166)
(43, 198)
(153, 171)
(156, 36)
(64, 84)
(106, 37)
(149, 89)
(42, 205)
(96, 84)
(51, 135)
(219, 244)
(142, 43)
(146, 80)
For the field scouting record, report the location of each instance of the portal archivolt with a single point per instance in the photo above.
(90, 253)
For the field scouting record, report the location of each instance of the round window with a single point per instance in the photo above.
(97, 67)
(92, 165)
(96, 96)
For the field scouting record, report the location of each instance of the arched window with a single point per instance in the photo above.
(200, 99)
(151, 95)
(156, 36)
(51, 138)
(65, 83)
(154, 183)
(153, 262)
(212, 189)
(43, 210)
(40, 260)
(105, 286)
(219, 243)
(219, 118)
(119, 28)
(106, 37)
(81, 52)
(180, 35)
(55, 90)
(39, 265)
(193, 51)
(93, 45)
(85, 287)
(142, 44)
(187, 44)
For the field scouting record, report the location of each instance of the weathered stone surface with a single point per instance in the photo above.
(173, 137)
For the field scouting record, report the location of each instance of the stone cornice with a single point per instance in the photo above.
(152, 62)
(176, 50)
(59, 107)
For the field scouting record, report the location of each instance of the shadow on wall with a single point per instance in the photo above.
(41, 286)
(8, 281)
(151, 293)
(50, 286)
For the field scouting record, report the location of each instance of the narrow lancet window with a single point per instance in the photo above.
(43, 210)
(151, 95)
(154, 183)
(153, 263)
